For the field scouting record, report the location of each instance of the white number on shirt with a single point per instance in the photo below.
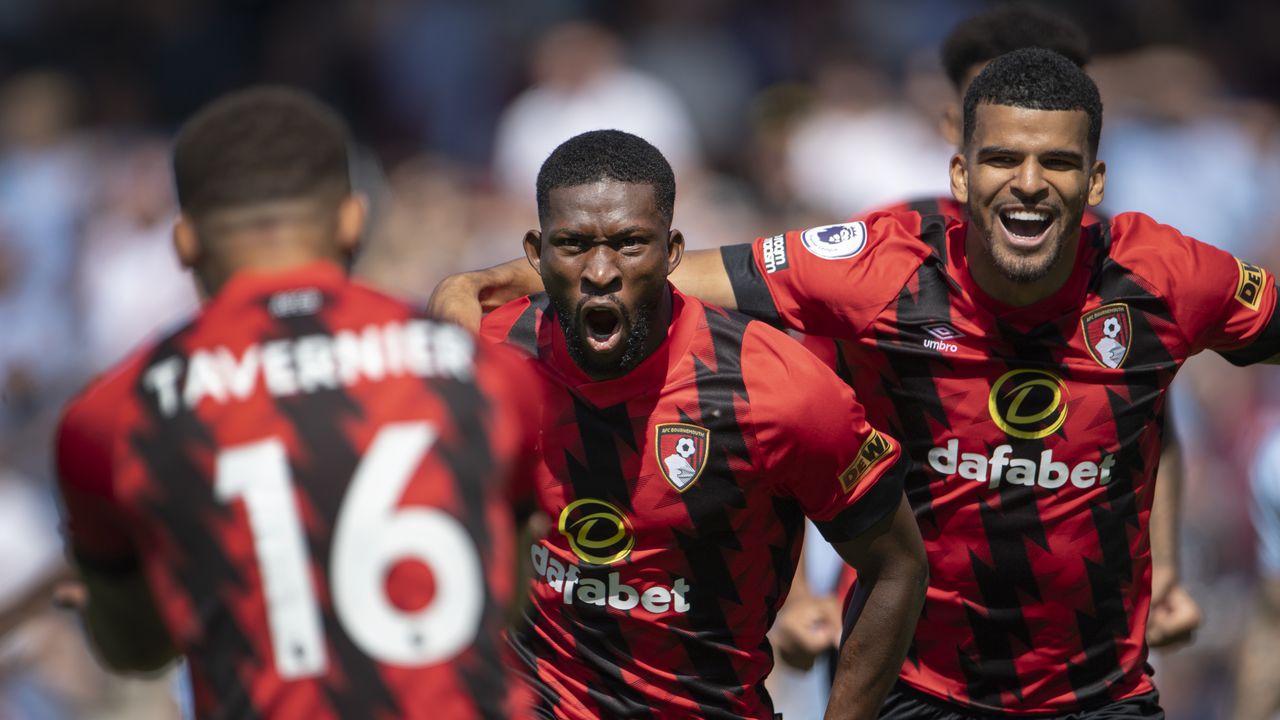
(371, 535)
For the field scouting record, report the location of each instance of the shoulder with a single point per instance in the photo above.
(1168, 260)
(516, 322)
(787, 385)
(85, 435)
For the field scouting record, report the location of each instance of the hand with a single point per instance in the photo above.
(805, 628)
(455, 300)
(1175, 615)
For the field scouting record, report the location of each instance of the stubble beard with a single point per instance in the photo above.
(637, 332)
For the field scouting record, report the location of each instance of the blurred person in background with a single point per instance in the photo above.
(308, 489)
(1257, 695)
(128, 281)
(581, 83)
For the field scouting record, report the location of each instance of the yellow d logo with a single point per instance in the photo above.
(1028, 403)
(597, 532)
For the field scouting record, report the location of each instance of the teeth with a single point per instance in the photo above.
(1027, 215)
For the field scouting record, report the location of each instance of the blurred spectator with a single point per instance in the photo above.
(861, 146)
(129, 284)
(1258, 666)
(43, 166)
(580, 83)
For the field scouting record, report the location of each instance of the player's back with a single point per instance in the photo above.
(320, 483)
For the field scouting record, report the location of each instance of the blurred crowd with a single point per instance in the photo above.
(774, 114)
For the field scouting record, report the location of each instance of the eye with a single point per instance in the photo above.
(1060, 165)
(1001, 161)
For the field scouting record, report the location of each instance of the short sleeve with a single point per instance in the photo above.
(814, 440)
(830, 280)
(1220, 302)
(95, 524)
(1265, 506)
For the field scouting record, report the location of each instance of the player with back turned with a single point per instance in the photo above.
(308, 489)
(685, 446)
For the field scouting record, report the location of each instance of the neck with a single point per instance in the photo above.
(997, 284)
(259, 256)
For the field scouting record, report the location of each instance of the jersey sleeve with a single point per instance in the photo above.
(95, 524)
(814, 441)
(830, 280)
(1220, 302)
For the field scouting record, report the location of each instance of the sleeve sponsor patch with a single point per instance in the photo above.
(835, 242)
(1249, 288)
(774, 251)
(874, 449)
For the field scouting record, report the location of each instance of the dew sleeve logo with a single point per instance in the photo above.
(682, 453)
(597, 531)
(1108, 334)
(1249, 287)
(1028, 403)
(873, 451)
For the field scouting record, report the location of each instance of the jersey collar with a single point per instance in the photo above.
(248, 285)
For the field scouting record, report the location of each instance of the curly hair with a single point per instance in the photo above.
(611, 154)
(1035, 79)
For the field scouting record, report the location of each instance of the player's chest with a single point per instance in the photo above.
(665, 459)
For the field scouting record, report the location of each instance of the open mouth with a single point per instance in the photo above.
(603, 325)
(1025, 227)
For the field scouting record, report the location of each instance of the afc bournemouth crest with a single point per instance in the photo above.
(682, 453)
(1108, 334)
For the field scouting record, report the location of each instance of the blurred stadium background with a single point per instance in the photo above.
(775, 114)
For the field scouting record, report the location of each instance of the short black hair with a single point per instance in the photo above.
(1035, 79)
(258, 145)
(613, 154)
(1005, 28)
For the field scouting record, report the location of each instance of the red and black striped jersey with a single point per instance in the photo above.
(1033, 434)
(678, 494)
(318, 484)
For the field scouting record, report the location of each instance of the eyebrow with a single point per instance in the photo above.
(629, 230)
(1052, 154)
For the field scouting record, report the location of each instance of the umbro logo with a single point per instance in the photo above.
(943, 331)
(943, 334)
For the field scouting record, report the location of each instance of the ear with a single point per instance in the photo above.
(186, 242)
(353, 213)
(1097, 182)
(675, 250)
(950, 124)
(960, 179)
(533, 250)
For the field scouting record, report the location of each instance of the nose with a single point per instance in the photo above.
(1029, 184)
(600, 275)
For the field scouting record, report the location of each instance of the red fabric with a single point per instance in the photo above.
(1040, 573)
(715, 556)
(321, 367)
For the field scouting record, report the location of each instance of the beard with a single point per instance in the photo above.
(1020, 268)
(636, 326)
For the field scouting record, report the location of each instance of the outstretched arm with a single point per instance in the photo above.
(465, 298)
(892, 576)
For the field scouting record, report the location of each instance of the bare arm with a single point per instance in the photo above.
(892, 576)
(1257, 688)
(465, 298)
(1174, 614)
(701, 274)
(123, 622)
